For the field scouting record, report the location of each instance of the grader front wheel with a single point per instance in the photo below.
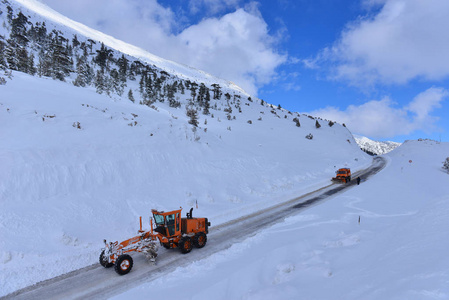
(104, 261)
(124, 264)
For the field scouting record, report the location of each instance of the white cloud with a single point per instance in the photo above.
(423, 104)
(212, 6)
(405, 40)
(236, 46)
(382, 119)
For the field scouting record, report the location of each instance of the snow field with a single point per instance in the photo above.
(64, 189)
(397, 251)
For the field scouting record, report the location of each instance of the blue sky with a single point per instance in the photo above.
(379, 66)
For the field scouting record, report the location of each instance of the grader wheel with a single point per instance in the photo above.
(200, 239)
(124, 264)
(185, 244)
(104, 262)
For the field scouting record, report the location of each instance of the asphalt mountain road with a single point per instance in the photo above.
(97, 282)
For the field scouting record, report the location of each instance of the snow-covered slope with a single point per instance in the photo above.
(397, 251)
(40, 11)
(64, 187)
(375, 147)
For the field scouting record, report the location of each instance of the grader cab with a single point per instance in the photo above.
(169, 229)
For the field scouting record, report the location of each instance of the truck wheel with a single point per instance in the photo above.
(200, 240)
(104, 261)
(124, 264)
(185, 244)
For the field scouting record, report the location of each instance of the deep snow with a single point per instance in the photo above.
(63, 189)
(397, 251)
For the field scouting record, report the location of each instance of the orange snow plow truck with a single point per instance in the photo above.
(343, 175)
(167, 229)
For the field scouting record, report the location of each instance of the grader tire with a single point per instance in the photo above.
(185, 244)
(200, 239)
(124, 264)
(104, 262)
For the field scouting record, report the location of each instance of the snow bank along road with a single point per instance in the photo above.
(97, 282)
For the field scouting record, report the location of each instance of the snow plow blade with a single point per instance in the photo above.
(343, 176)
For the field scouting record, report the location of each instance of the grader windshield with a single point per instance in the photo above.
(159, 220)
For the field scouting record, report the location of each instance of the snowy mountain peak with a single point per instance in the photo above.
(375, 147)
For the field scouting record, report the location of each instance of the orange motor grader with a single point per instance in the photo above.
(167, 229)
(343, 175)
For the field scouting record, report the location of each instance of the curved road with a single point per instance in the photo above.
(97, 282)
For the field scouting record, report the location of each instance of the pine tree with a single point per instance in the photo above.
(133, 71)
(206, 105)
(193, 115)
(9, 15)
(446, 164)
(104, 55)
(123, 65)
(201, 94)
(61, 65)
(150, 90)
(131, 96)
(157, 90)
(117, 85)
(3, 64)
(42, 37)
(19, 30)
(142, 83)
(22, 59)
(181, 88)
(171, 89)
(84, 72)
(17, 53)
(10, 55)
(31, 67)
(217, 91)
(100, 82)
(296, 120)
(75, 42)
(44, 65)
(193, 88)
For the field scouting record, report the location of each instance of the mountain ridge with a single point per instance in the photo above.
(375, 147)
(175, 68)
